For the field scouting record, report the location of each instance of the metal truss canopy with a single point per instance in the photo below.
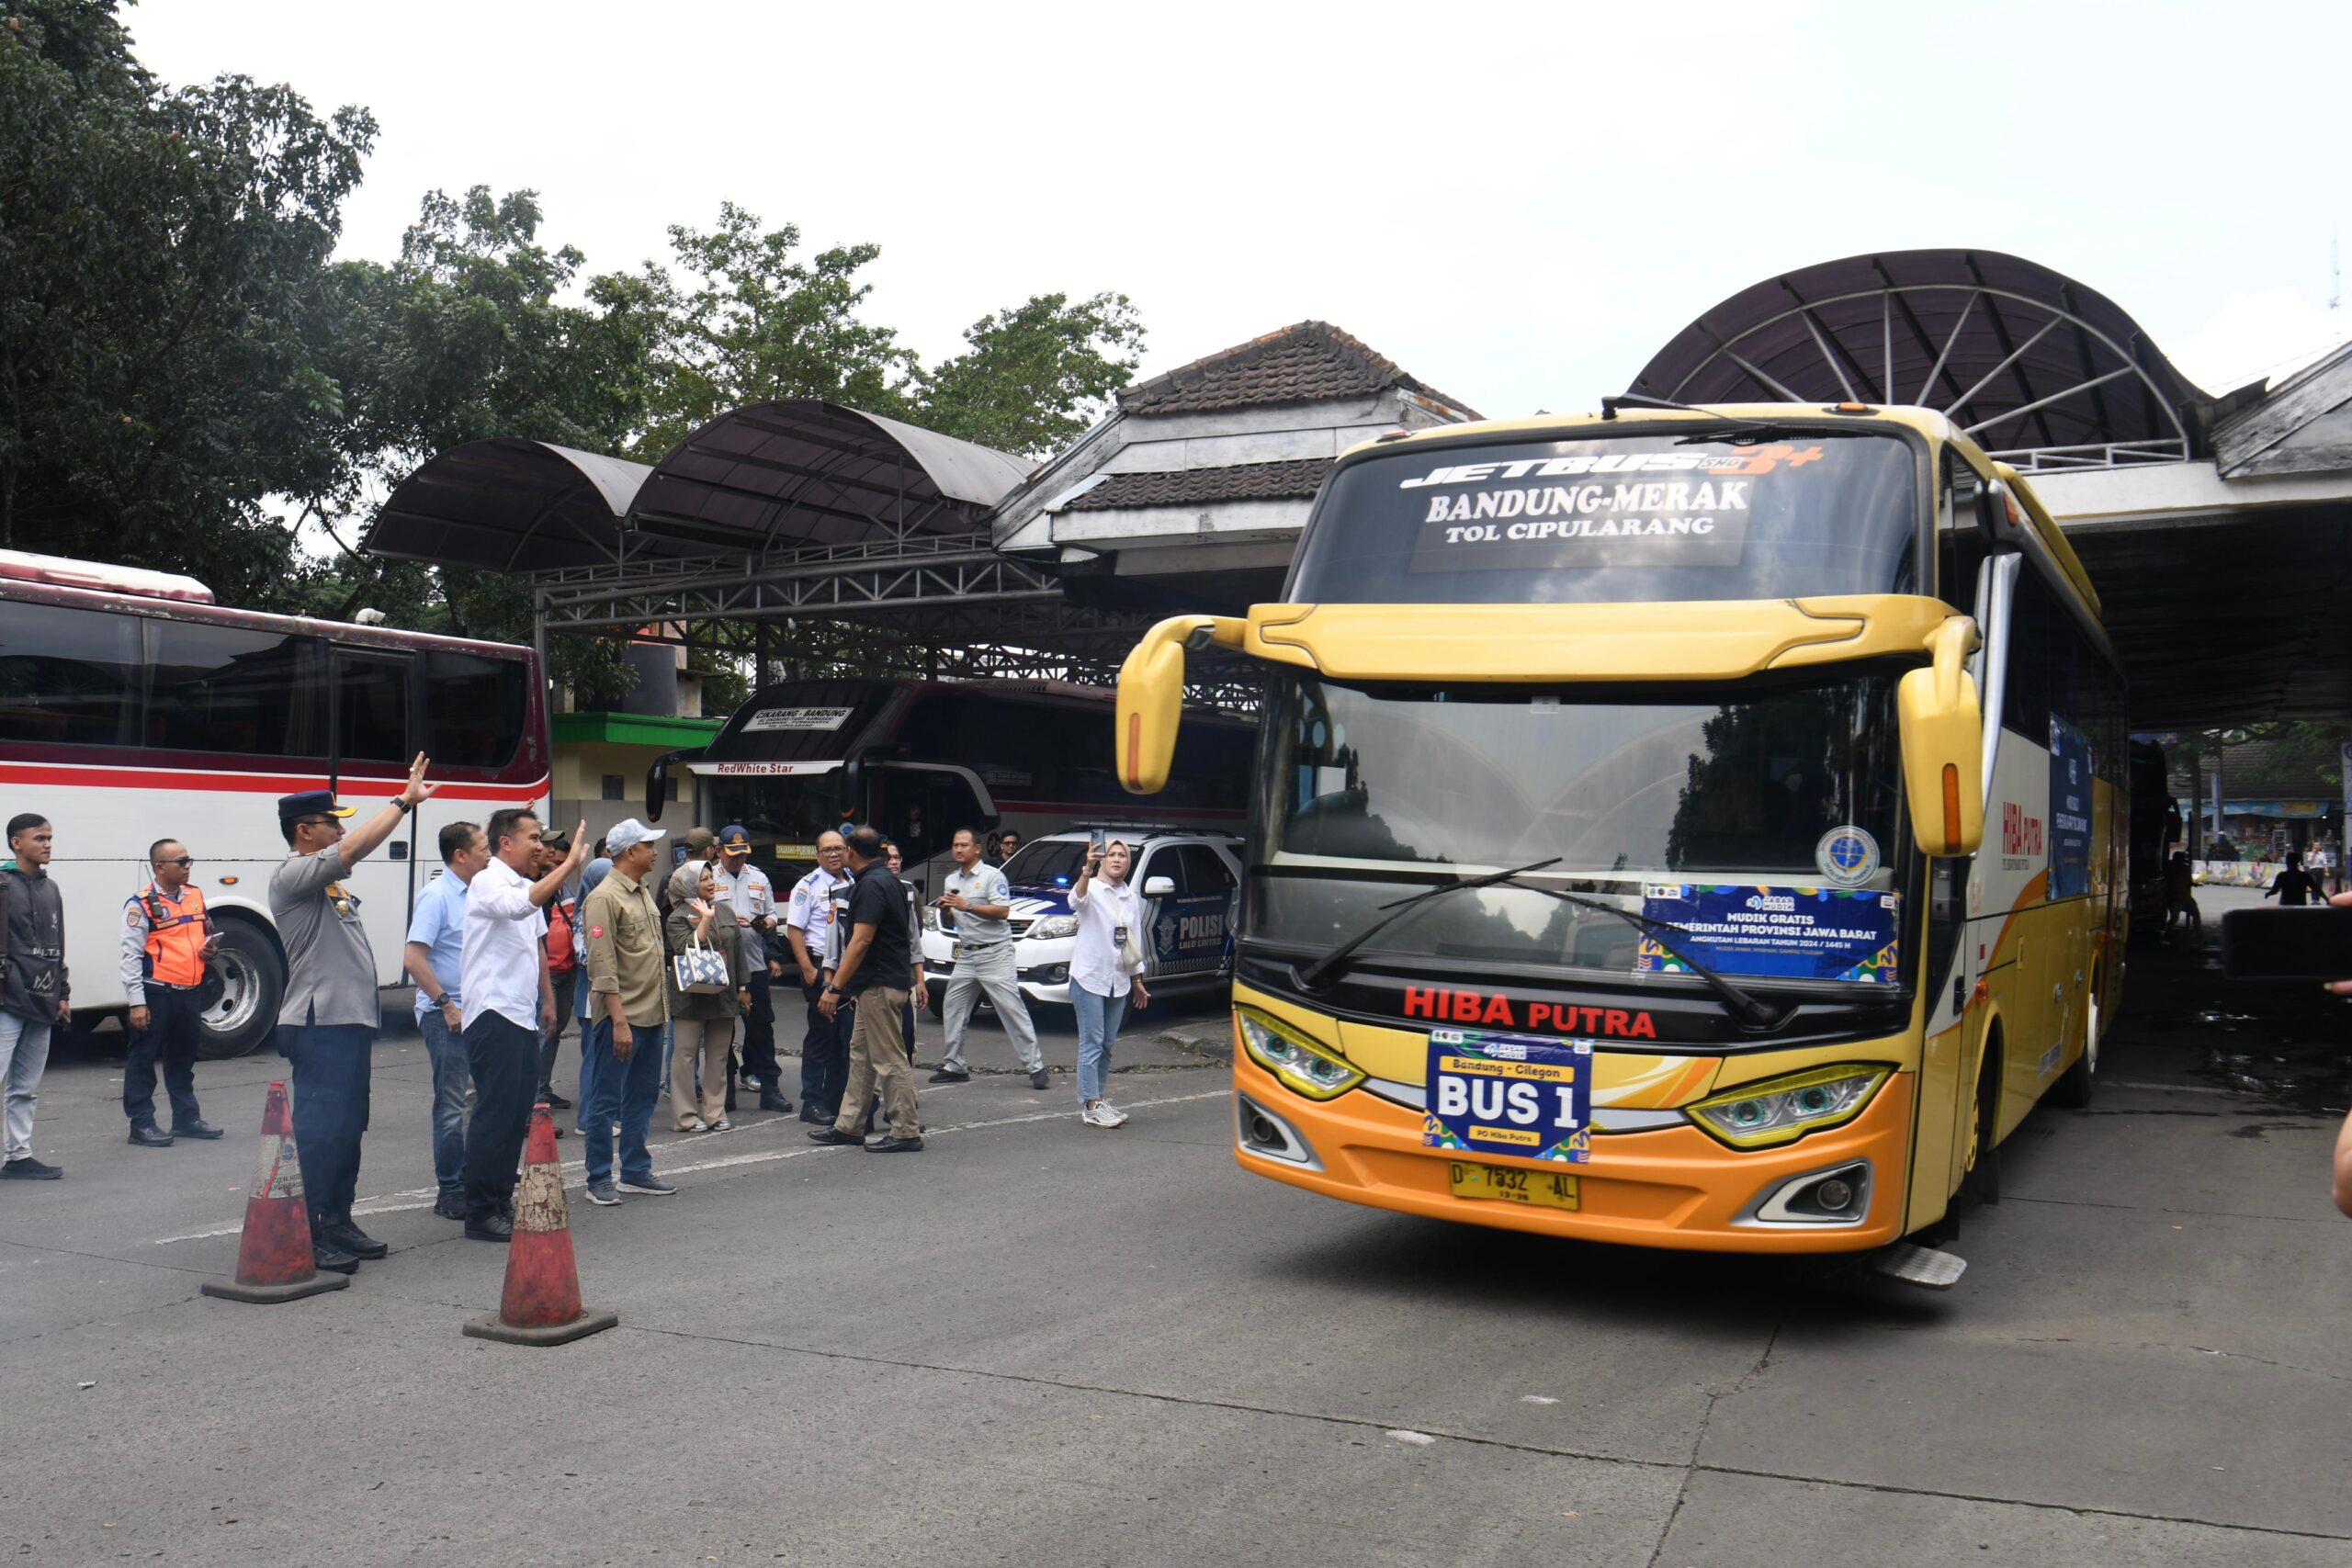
(2038, 369)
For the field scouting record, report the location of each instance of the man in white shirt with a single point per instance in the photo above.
(751, 895)
(975, 913)
(809, 931)
(507, 1001)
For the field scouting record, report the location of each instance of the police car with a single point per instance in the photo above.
(1191, 885)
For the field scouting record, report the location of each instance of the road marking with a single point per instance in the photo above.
(2175, 1088)
(575, 1171)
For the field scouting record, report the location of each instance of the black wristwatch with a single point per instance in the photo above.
(442, 1000)
(404, 803)
(832, 990)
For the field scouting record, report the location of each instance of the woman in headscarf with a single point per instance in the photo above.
(1101, 982)
(702, 1024)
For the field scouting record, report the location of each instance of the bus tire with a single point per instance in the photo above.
(252, 974)
(1980, 1180)
(2075, 1088)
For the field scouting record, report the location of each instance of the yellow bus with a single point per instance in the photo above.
(1619, 865)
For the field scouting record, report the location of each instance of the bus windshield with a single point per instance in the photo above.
(1648, 517)
(1674, 803)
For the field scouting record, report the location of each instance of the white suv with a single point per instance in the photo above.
(1191, 887)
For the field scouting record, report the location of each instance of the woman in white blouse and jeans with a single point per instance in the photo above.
(1108, 912)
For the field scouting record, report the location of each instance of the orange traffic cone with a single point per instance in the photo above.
(274, 1254)
(541, 1305)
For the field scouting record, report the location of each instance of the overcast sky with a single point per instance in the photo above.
(1519, 204)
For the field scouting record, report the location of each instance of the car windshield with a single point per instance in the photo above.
(1654, 515)
(1768, 825)
(1047, 862)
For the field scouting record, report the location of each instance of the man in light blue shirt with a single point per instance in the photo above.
(436, 936)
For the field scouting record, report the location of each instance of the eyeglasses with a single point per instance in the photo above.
(184, 862)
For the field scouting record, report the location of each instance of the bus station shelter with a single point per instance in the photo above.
(815, 538)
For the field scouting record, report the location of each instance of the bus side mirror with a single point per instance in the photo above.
(1943, 745)
(1151, 696)
(657, 780)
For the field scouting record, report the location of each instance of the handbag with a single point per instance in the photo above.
(700, 970)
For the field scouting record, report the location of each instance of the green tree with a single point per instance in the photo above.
(159, 372)
(1033, 377)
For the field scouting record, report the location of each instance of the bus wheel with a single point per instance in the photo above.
(252, 985)
(1980, 1180)
(2073, 1089)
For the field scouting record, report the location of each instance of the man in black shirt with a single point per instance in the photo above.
(877, 971)
(2295, 886)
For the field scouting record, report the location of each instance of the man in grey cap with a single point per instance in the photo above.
(627, 991)
(326, 1027)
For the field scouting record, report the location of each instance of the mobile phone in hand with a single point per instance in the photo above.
(2313, 942)
(1098, 840)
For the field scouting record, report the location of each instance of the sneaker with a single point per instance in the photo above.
(333, 1259)
(721, 1125)
(497, 1228)
(650, 1186)
(341, 1233)
(949, 1075)
(1038, 1079)
(1118, 1118)
(604, 1193)
(147, 1135)
(24, 1167)
(450, 1205)
(691, 1124)
(1095, 1113)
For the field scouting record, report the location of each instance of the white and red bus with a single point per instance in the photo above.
(133, 708)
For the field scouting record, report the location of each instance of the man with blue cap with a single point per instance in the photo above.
(326, 1026)
(747, 890)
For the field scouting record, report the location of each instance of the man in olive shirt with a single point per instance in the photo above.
(326, 1027)
(626, 988)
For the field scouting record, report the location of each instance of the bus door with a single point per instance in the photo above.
(371, 720)
(919, 805)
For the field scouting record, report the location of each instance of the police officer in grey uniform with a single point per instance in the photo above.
(326, 1027)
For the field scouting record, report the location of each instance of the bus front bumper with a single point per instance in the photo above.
(1674, 1187)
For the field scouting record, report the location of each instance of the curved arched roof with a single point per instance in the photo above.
(511, 505)
(2020, 356)
(782, 475)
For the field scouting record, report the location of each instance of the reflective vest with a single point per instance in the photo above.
(175, 936)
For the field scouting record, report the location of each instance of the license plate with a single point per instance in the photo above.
(1541, 1188)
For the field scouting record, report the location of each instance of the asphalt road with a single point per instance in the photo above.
(1037, 1343)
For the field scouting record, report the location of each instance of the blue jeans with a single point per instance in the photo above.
(623, 1091)
(451, 1078)
(591, 1031)
(1098, 1024)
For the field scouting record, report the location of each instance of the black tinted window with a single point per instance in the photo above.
(1648, 517)
(373, 722)
(473, 709)
(2025, 706)
(229, 689)
(68, 677)
(1201, 871)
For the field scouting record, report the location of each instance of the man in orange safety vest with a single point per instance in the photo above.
(168, 943)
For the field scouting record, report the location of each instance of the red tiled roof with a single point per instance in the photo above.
(1301, 364)
(1183, 487)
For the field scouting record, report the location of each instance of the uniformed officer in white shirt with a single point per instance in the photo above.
(749, 892)
(808, 933)
(974, 912)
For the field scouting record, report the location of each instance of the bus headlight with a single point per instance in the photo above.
(1779, 1110)
(1308, 1068)
(1051, 927)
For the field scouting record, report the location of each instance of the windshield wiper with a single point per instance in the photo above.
(1742, 1007)
(1331, 960)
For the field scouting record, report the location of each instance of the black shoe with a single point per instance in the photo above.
(555, 1102)
(558, 1129)
(496, 1227)
(894, 1145)
(833, 1135)
(1038, 1079)
(326, 1255)
(949, 1075)
(450, 1205)
(776, 1102)
(195, 1127)
(812, 1115)
(24, 1167)
(147, 1135)
(341, 1233)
